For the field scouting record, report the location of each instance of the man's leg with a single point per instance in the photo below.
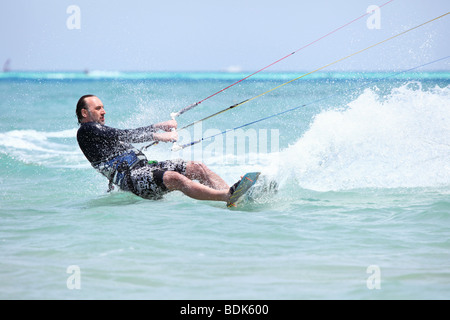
(199, 171)
(176, 181)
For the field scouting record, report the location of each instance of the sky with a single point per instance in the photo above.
(210, 35)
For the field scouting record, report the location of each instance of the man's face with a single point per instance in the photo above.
(95, 111)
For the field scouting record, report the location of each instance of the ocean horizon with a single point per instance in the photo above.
(220, 75)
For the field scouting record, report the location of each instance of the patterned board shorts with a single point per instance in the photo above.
(147, 180)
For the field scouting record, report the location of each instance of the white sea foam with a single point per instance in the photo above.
(402, 140)
(42, 148)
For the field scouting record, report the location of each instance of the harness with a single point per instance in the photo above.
(117, 169)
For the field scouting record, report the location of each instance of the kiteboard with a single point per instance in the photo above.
(244, 185)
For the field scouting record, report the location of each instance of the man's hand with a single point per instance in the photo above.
(166, 136)
(167, 125)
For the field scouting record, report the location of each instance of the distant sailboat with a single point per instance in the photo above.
(7, 66)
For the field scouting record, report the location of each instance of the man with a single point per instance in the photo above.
(109, 150)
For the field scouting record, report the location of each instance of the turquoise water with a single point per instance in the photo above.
(364, 184)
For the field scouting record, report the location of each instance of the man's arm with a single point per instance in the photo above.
(142, 134)
(166, 136)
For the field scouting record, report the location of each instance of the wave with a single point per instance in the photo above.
(51, 149)
(399, 140)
